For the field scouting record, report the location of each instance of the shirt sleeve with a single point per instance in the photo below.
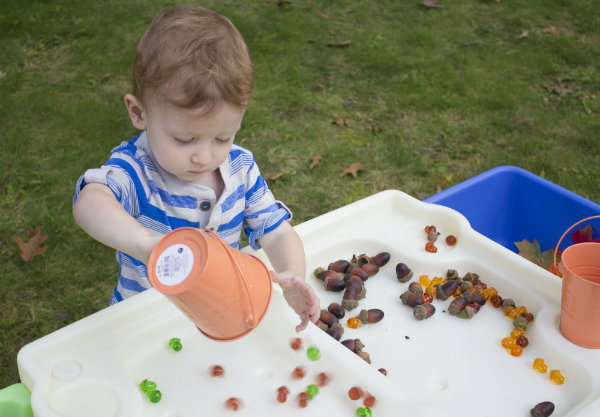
(263, 213)
(121, 176)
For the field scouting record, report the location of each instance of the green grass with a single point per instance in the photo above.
(431, 97)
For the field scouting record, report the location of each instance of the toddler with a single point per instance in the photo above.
(192, 80)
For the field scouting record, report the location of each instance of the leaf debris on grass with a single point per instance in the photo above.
(33, 247)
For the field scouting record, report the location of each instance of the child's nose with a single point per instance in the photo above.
(201, 155)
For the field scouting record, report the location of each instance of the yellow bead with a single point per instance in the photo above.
(437, 280)
(353, 322)
(517, 332)
(509, 342)
(424, 281)
(556, 377)
(431, 290)
(539, 365)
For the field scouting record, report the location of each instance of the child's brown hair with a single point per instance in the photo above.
(193, 57)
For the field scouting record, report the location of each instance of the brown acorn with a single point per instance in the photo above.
(328, 318)
(452, 274)
(355, 283)
(371, 269)
(381, 259)
(322, 325)
(361, 273)
(423, 311)
(360, 260)
(457, 305)
(373, 315)
(350, 344)
(350, 298)
(446, 289)
(413, 300)
(334, 284)
(340, 265)
(324, 273)
(477, 298)
(337, 310)
(403, 272)
(415, 288)
(383, 371)
(336, 331)
(365, 356)
(543, 409)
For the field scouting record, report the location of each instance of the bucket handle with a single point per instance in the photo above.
(567, 231)
(250, 320)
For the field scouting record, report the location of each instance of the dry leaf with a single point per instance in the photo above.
(340, 44)
(352, 169)
(523, 34)
(32, 247)
(431, 4)
(323, 15)
(275, 176)
(337, 120)
(315, 160)
(549, 29)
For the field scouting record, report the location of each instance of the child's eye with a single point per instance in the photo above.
(183, 140)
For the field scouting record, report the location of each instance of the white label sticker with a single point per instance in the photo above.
(174, 264)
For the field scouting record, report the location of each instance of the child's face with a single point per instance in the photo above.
(190, 143)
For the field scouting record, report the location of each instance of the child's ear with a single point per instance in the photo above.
(136, 111)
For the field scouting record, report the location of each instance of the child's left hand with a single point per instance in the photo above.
(300, 296)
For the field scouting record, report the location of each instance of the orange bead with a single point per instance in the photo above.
(516, 350)
(427, 298)
(353, 322)
(556, 377)
(431, 290)
(539, 365)
(509, 342)
(424, 281)
(517, 332)
(437, 280)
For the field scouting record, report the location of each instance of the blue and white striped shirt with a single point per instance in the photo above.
(161, 202)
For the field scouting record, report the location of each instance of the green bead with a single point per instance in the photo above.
(154, 396)
(313, 353)
(312, 390)
(175, 344)
(147, 386)
(363, 412)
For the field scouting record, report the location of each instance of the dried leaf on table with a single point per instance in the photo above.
(431, 4)
(33, 247)
(315, 160)
(339, 44)
(352, 169)
(531, 251)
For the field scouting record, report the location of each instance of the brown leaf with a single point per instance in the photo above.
(352, 169)
(323, 15)
(340, 44)
(32, 247)
(276, 176)
(549, 29)
(337, 120)
(315, 160)
(531, 251)
(523, 34)
(431, 4)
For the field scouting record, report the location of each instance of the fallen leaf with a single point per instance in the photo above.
(340, 44)
(531, 251)
(431, 4)
(283, 2)
(585, 234)
(337, 120)
(276, 176)
(323, 15)
(549, 29)
(315, 160)
(523, 34)
(32, 248)
(352, 169)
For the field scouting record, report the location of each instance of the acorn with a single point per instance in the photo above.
(457, 305)
(404, 297)
(336, 331)
(337, 310)
(423, 311)
(334, 284)
(361, 273)
(350, 344)
(365, 356)
(432, 236)
(468, 312)
(328, 318)
(370, 268)
(340, 265)
(381, 259)
(324, 273)
(372, 315)
(355, 283)
(322, 325)
(414, 299)
(415, 288)
(403, 272)
(470, 276)
(446, 289)
(360, 260)
(383, 371)
(477, 298)
(350, 298)
(543, 409)
(451, 274)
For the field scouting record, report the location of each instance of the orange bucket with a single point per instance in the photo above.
(225, 292)
(580, 302)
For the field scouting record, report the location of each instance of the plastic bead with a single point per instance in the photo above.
(312, 390)
(516, 350)
(355, 393)
(303, 399)
(522, 341)
(508, 342)
(147, 385)
(539, 365)
(175, 344)
(557, 377)
(430, 247)
(154, 396)
(298, 372)
(322, 379)
(424, 281)
(427, 298)
(369, 401)
(363, 412)
(217, 370)
(296, 343)
(517, 332)
(313, 353)
(282, 393)
(353, 322)
(233, 403)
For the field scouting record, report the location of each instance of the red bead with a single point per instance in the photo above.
(217, 370)
(427, 298)
(303, 399)
(522, 341)
(296, 343)
(282, 393)
(298, 372)
(430, 247)
(355, 393)
(451, 240)
(322, 379)
(233, 403)
(369, 401)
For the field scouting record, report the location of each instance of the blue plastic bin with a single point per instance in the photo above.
(509, 204)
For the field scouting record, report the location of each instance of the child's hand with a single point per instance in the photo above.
(300, 296)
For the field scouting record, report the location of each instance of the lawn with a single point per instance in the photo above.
(422, 97)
